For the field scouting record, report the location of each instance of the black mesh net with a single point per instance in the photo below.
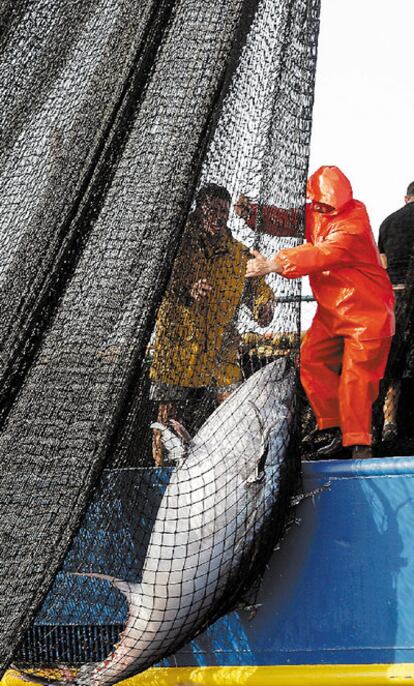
(148, 389)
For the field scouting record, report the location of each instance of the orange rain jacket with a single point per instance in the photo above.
(352, 289)
(343, 358)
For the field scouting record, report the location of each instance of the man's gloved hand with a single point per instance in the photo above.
(200, 289)
(243, 206)
(259, 265)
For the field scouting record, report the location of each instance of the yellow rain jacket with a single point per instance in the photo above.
(196, 342)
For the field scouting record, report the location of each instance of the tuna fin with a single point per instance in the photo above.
(173, 444)
(126, 587)
(264, 447)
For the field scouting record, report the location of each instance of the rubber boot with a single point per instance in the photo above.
(361, 452)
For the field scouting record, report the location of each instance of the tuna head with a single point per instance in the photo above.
(220, 498)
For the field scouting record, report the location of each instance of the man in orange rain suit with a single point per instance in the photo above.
(344, 353)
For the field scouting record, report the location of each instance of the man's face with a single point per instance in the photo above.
(322, 208)
(214, 215)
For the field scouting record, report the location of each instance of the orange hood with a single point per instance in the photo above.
(330, 186)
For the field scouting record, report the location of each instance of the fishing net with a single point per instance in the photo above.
(148, 388)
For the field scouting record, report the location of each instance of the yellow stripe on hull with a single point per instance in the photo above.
(304, 675)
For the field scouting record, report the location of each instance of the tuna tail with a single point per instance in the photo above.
(264, 447)
(175, 446)
(112, 668)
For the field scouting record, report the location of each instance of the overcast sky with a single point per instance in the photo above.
(364, 105)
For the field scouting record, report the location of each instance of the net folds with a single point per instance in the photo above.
(145, 472)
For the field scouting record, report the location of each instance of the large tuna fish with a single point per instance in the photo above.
(222, 494)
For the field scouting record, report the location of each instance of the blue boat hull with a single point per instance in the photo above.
(338, 591)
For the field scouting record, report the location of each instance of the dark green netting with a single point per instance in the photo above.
(115, 113)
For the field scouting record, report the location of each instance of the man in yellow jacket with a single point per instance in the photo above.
(196, 341)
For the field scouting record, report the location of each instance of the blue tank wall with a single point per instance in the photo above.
(341, 588)
(338, 591)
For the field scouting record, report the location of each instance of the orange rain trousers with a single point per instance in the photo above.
(341, 376)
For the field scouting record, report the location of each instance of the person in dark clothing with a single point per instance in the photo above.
(396, 246)
(396, 239)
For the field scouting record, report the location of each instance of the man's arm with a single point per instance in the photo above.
(186, 286)
(381, 247)
(274, 221)
(338, 250)
(259, 265)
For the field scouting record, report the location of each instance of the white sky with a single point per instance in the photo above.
(364, 104)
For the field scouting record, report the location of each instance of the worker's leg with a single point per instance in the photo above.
(363, 368)
(392, 398)
(320, 363)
